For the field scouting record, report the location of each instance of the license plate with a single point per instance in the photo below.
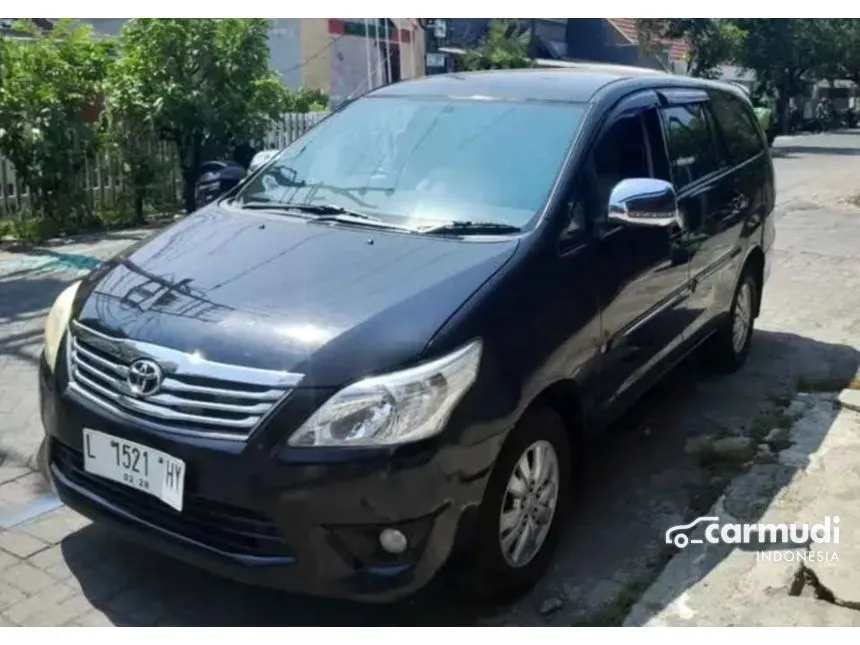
(136, 466)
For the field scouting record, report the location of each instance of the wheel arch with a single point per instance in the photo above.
(564, 397)
(754, 263)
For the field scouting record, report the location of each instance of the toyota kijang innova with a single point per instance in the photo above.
(383, 349)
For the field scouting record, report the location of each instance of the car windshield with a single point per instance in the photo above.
(422, 162)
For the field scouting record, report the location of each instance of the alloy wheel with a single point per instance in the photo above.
(528, 506)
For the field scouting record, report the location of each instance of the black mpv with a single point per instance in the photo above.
(386, 345)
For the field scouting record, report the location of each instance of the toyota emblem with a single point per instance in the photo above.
(144, 377)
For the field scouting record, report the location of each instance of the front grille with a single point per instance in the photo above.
(195, 397)
(224, 527)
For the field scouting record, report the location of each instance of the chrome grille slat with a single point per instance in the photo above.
(119, 370)
(171, 385)
(177, 402)
(115, 382)
(230, 408)
(136, 405)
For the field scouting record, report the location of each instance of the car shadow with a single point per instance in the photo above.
(640, 479)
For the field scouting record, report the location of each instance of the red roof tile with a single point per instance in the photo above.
(627, 26)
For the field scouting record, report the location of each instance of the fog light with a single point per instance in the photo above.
(393, 541)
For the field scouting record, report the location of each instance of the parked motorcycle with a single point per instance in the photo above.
(216, 178)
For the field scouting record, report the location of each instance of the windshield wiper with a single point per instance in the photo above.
(471, 228)
(329, 209)
(327, 213)
(312, 209)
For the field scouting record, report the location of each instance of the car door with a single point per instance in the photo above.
(725, 227)
(644, 270)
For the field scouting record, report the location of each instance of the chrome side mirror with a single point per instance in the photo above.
(260, 158)
(644, 202)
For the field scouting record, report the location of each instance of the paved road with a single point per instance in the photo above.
(58, 569)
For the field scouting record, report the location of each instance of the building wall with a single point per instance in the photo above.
(286, 52)
(345, 61)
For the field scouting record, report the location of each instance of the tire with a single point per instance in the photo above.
(726, 351)
(494, 574)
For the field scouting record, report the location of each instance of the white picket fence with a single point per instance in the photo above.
(103, 182)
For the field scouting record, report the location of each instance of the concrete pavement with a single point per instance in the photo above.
(816, 475)
(814, 471)
(57, 569)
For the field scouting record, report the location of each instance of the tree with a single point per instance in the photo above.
(841, 51)
(501, 48)
(783, 53)
(307, 100)
(131, 133)
(49, 84)
(202, 84)
(711, 40)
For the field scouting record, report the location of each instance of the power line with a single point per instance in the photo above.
(317, 54)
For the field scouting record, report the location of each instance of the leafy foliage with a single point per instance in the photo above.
(307, 100)
(712, 41)
(784, 53)
(840, 49)
(501, 48)
(780, 51)
(203, 84)
(50, 86)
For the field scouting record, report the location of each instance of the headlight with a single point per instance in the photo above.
(57, 321)
(394, 408)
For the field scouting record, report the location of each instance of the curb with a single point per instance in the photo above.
(850, 399)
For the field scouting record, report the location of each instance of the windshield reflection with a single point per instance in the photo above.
(419, 162)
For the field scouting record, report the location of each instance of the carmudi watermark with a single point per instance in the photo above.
(768, 537)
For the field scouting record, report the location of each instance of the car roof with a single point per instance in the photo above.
(574, 83)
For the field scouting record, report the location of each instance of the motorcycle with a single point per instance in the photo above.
(215, 179)
(218, 177)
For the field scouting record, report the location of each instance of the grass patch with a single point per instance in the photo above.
(768, 420)
(720, 464)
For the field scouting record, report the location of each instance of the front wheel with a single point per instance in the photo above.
(728, 348)
(523, 510)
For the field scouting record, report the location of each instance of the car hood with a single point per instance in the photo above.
(328, 301)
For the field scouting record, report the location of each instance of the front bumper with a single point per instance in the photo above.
(307, 525)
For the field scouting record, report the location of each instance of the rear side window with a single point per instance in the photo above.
(740, 135)
(692, 153)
